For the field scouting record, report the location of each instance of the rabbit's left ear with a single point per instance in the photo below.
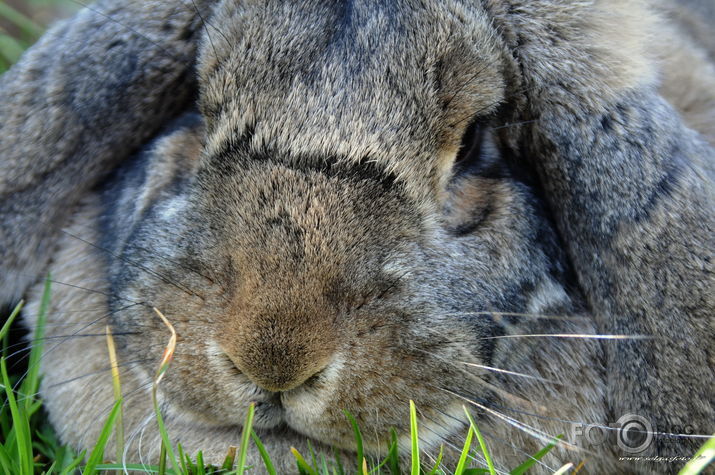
(86, 96)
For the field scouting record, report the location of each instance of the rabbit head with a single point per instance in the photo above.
(331, 249)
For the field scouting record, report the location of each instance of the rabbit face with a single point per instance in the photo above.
(321, 257)
(326, 290)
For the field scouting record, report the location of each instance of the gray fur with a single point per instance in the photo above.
(120, 68)
(310, 239)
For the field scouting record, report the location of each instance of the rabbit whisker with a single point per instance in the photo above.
(126, 397)
(150, 253)
(533, 404)
(25, 347)
(218, 30)
(132, 436)
(501, 441)
(84, 322)
(534, 316)
(488, 368)
(203, 23)
(54, 347)
(87, 289)
(138, 266)
(570, 335)
(442, 437)
(126, 364)
(590, 424)
(526, 428)
(140, 452)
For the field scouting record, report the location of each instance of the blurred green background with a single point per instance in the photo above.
(23, 21)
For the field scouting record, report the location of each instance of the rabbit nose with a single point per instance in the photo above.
(278, 373)
(279, 354)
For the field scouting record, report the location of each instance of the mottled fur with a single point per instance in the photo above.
(309, 236)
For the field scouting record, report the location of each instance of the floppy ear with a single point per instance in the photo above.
(87, 95)
(622, 176)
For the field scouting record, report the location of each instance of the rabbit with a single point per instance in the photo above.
(503, 205)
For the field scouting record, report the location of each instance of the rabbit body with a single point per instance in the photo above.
(301, 221)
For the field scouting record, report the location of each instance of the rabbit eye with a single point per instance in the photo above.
(470, 150)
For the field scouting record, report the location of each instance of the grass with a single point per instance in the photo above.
(22, 22)
(29, 445)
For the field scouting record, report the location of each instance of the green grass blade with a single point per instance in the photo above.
(313, 459)
(183, 458)
(35, 406)
(6, 461)
(228, 463)
(28, 26)
(393, 454)
(482, 444)
(338, 463)
(5, 421)
(358, 439)
(48, 444)
(62, 457)
(95, 458)
(69, 469)
(117, 388)
(377, 468)
(16, 311)
(303, 466)
(536, 457)
(264, 454)
(51, 468)
(438, 463)
(165, 437)
(10, 49)
(31, 383)
(414, 438)
(247, 427)
(701, 460)
(20, 423)
(200, 466)
(462, 464)
(161, 371)
(162, 460)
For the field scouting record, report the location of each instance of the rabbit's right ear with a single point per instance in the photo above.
(87, 95)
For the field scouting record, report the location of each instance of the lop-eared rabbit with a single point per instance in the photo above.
(506, 205)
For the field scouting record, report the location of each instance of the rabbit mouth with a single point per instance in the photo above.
(275, 409)
(269, 414)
